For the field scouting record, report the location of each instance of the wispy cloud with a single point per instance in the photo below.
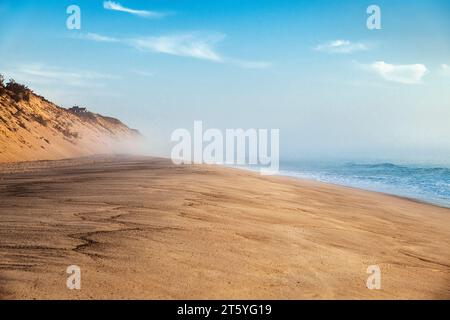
(97, 37)
(341, 46)
(445, 68)
(192, 45)
(41, 74)
(406, 74)
(115, 6)
(144, 73)
(186, 45)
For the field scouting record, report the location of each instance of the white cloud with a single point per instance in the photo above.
(341, 46)
(191, 45)
(41, 74)
(406, 74)
(115, 6)
(98, 37)
(185, 45)
(144, 73)
(445, 69)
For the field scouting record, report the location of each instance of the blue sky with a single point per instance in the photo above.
(310, 68)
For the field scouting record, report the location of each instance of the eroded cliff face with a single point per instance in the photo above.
(32, 128)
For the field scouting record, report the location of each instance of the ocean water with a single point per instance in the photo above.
(428, 183)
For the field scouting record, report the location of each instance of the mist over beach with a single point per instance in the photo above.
(178, 150)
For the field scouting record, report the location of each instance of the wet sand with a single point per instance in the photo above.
(142, 228)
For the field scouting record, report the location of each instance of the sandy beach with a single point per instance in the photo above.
(142, 228)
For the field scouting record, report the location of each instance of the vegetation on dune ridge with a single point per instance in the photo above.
(33, 128)
(15, 90)
(19, 92)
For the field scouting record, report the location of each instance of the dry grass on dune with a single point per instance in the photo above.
(32, 128)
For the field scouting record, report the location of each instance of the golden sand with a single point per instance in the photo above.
(144, 228)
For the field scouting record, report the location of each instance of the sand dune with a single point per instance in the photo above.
(32, 128)
(144, 228)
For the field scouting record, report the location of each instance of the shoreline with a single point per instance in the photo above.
(107, 157)
(343, 186)
(143, 228)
